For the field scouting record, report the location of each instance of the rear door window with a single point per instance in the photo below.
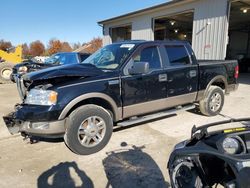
(177, 55)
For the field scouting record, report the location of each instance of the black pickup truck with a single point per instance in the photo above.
(121, 84)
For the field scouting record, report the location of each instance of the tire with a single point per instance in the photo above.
(213, 102)
(183, 174)
(5, 72)
(89, 130)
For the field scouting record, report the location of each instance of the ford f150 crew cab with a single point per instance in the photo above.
(119, 85)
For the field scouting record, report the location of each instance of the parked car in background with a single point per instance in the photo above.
(58, 59)
(40, 59)
(121, 84)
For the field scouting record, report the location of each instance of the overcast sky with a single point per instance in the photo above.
(68, 20)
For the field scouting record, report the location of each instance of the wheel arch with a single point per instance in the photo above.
(99, 99)
(219, 81)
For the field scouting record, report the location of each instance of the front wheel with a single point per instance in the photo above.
(213, 102)
(89, 130)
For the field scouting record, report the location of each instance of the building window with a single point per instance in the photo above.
(176, 27)
(121, 33)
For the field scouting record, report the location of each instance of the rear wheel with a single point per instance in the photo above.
(5, 72)
(89, 130)
(184, 174)
(213, 101)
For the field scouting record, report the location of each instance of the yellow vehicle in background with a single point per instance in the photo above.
(7, 61)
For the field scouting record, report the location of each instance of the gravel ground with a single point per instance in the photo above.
(135, 157)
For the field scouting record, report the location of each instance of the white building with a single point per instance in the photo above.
(217, 29)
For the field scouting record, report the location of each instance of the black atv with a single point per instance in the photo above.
(212, 158)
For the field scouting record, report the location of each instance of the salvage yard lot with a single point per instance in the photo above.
(135, 157)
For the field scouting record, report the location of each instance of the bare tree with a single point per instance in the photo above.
(66, 47)
(95, 44)
(75, 46)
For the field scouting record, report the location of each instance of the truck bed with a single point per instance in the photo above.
(208, 70)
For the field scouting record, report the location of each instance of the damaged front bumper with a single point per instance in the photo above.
(41, 129)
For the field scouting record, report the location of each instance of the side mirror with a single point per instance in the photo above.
(139, 68)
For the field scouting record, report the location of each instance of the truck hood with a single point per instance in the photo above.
(64, 71)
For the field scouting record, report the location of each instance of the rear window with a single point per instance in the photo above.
(177, 55)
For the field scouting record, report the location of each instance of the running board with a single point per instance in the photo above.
(155, 116)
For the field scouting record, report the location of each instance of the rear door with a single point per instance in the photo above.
(144, 93)
(182, 75)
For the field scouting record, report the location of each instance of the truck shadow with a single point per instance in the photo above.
(132, 168)
(60, 176)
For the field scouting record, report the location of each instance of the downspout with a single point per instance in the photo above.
(226, 42)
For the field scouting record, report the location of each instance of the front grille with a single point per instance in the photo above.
(21, 88)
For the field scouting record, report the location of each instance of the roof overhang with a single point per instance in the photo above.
(143, 11)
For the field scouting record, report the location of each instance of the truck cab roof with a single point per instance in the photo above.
(142, 42)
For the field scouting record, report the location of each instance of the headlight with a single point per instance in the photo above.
(41, 97)
(22, 69)
(232, 145)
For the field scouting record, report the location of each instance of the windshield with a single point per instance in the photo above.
(62, 59)
(111, 56)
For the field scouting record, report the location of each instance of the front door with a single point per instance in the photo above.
(143, 93)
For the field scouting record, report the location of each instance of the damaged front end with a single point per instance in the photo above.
(34, 127)
(38, 114)
(12, 123)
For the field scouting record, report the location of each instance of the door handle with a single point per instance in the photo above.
(193, 73)
(163, 77)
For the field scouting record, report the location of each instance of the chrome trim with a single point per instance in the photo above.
(88, 82)
(113, 82)
(192, 73)
(156, 105)
(117, 111)
(55, 127)
(20, 87)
